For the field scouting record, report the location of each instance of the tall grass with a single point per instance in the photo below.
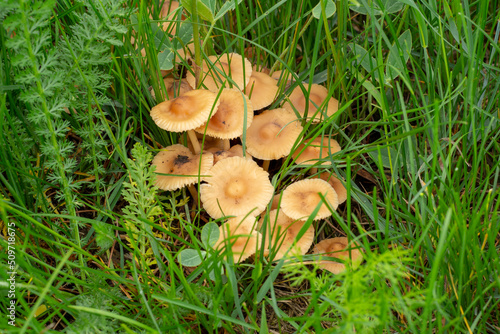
(97, 246)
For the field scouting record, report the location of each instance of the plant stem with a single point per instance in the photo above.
(197, 47)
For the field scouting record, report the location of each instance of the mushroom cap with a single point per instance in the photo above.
(282, 234)
(173, 87)
(229, 120)
(234, 151)
(338, 248)
(240, 235)
(316, 149)
(178, 160)
(301, 198)
(273, 134)
(230, 65)
(336, 184)
(262, 90)
(317, 96)
(236, 186)
(185, 112)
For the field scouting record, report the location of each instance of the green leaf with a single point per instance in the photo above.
(165, 60)
(105, 235)
(388, 155)
(228, 5)
(191, 258)
(184, 35)
(209, 235)
(364, 59)
(398, 57)
(205, 8)
(377, 7)
(330, 9)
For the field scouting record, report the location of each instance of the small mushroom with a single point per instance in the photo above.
(336, 184)
(282, 232)
(217, 70)
(317, 95)
(338, 248)
(301, 198)
(273, 134)
(182, 166)
(186, 112)
(262, 90)
(239, 238)
(236, 186)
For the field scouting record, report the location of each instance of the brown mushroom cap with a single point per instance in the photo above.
(336, 184)
(262, 90)
(221, 154)
(301, 198)
(336, 247)
(185, 112)
(317, 96)
(229, 120)
(236, 186)
(239, 235)
(282, 235)
(178, 160)
(273, 134)
(316, 149)
(173, 87)
(230, 65)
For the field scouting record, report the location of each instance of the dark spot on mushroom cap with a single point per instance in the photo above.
(181, 160)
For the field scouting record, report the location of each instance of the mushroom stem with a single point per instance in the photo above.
(314, 171)
(193, 192)
(265, 165)
(227, 144)
(194, 141)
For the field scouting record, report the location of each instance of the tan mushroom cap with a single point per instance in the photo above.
(273, 134)
(262, 90)
(229, 120)
(168, 13)
(239, 235)
(234, 151)
(301, 198)
(316, 149)
(208, 143)
(173, 87)
(336, 184)
(178, 160)
(185, 112)
(214, 77)
(236, 186)
(282, 232)
(317, 95)
(338, 248)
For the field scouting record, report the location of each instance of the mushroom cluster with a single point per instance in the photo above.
(226, 111)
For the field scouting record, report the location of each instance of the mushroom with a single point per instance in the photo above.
(262, 90)
(221, 154)
(301, 198)
(336, 184)
(314, 150)
(236, 186)
(174, 88)
(184, 167)
(314, 99)
(239, 237)
(338, 248)
(229, 121)
(186, 112)
(272, 134)
(215, 76)
(281, 235)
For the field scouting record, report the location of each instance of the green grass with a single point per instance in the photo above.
(97, 248)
